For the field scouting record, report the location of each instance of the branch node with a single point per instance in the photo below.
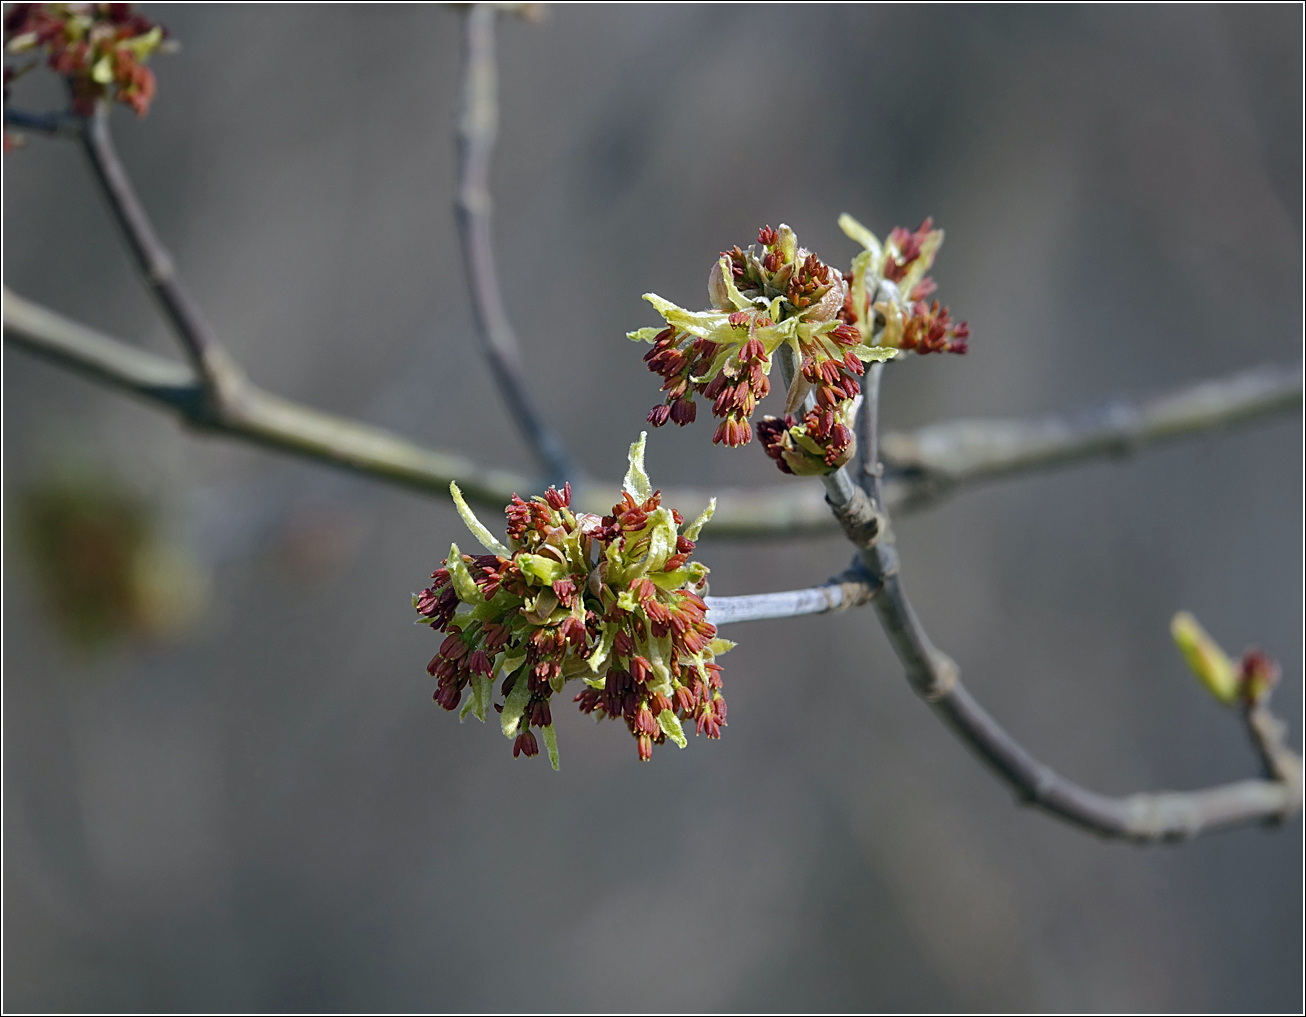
(946, 674)
(860, 521)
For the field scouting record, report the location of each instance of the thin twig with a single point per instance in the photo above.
(478, 125)
(782, 511)
(935, 460)
(258, 416)
(53, 124)
(841, 593)
(220, 378)
(1143, 817)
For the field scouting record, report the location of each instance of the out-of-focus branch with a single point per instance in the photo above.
(253, 414)
(218, 375)
(43, 123)
(937, 459)
(782, 511)
(1141, 817)
(478, 125)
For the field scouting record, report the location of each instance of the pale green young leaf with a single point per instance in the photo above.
(478, 529)
(860, 297)
(670, 725)
(551, 743)
(773, 337)
(22, 43)
(482, 694)
(463, 583)
(856, 231)
(541, 568)
(644, 335)
(636, 483)
(514, 707)
(599, 656)
(467, 708)
(696, 527)
(867, 354)
(720, 646)
(741, 302)
(143, 45)
(670, 580)
(699, 323)
(786, 243)
(1205, 658)
(658, 651)
(662, 539)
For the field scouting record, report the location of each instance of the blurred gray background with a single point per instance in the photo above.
(268, 811)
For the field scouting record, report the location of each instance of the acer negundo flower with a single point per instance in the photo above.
(101, 49)
(613, 601)
(777, 294)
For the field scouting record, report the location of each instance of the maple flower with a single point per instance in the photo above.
(777, 294)
(100, 48)
(888, 286)
(611, 601)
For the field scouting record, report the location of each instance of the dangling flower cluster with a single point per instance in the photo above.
(777, 294)
(100, 48)
(613, 601)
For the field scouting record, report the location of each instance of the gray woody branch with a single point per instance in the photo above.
(1140, 817)
(219, 379)
(478, 125)
(253, 414)
(930, 462)
(934, 676)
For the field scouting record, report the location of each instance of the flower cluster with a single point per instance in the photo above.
(100, 48)
(613, 601)
(775, 295)
(888, 290)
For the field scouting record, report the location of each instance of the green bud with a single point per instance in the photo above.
(1205, 658)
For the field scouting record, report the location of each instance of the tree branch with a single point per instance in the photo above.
(219, 377)
(478, 125)
(842, 592)
(1142, 817)
(256, 415)
(782, 511)
(53, 124)
(935, 460)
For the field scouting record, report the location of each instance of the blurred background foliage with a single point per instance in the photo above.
(269, 812)
(103, 569)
